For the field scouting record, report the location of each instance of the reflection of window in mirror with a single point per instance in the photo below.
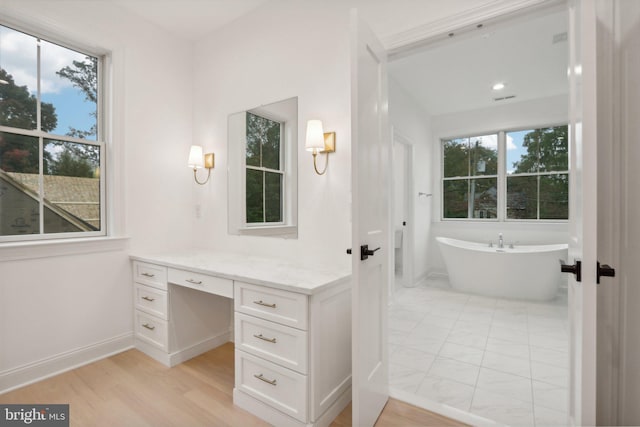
(263, 170)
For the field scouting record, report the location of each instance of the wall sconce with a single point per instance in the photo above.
(197, 160)
(317, 141)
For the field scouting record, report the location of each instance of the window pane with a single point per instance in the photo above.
(254, 142)
(69, 89)
(71, 187)
(263, 142)
(554, 197)
(271, 146)
(484, 155)
(522, 197)
(522, 151)
(484, 194)
(18, 97)
(540, 150)
(18, 153)
(273, 197)
(554, 151)
(456, 157)
(19, 185)
(455, 198)
(254, 196)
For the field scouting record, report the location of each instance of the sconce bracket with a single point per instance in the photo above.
(209, 160)
(329, 142)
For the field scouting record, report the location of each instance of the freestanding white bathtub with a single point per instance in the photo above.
(524, 272)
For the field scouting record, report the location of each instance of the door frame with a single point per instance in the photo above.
(405, 43)
(408, 238)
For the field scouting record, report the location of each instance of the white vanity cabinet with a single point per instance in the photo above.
(293, 353)
(291, 327)
(151, 305)
(175, 323)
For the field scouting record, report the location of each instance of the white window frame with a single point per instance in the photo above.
(502, 177)
(468, 178)
(101, 141)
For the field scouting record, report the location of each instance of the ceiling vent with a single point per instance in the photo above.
(504, 98)
(559, 38)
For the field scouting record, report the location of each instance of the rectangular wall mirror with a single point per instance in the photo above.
(263, 170)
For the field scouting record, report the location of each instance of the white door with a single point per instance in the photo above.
(583, 111)
(371, 154)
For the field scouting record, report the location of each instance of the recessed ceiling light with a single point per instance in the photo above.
(498, 86)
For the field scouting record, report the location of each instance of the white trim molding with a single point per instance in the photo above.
(402, 42)
(61, 247)
(21, 376)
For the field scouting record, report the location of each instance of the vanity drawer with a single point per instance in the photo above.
(152, 330)
(280, 344)
(278, 387)
(150, 274)
(287, 308)
(202, 282)
(151, 300)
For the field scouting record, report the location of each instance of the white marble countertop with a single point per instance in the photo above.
(272, 272)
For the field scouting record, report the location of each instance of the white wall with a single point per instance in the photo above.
(63, 309)
(520, 115)
(279, 51)
(408, 118)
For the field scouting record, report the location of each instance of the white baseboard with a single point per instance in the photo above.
(177, 357)
(21, 376)
(199, 348)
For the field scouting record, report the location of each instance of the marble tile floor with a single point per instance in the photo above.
(499, 359)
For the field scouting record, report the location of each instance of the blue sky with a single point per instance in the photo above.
(72, 110)
(515, 150)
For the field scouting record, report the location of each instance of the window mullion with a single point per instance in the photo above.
(38, 87)
(264, 196)
(40, 138)
(502, 176)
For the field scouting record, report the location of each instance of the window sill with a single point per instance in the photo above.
(61, 247)
(284, 231)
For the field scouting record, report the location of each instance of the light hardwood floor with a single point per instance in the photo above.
(131, 389)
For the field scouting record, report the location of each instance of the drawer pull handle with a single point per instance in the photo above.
(273, 340)
(194, 282)
(262, 378)
(146, 325)
(265, 304)
(148, 275)
(148, 299)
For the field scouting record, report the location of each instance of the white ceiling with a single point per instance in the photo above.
(190, 19)
(458, 74)
(455, 75)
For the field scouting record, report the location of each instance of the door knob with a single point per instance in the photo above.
(605, 270)
(365, 252)
(573, 269)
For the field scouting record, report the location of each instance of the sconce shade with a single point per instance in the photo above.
(315, 136)
(196, 157)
